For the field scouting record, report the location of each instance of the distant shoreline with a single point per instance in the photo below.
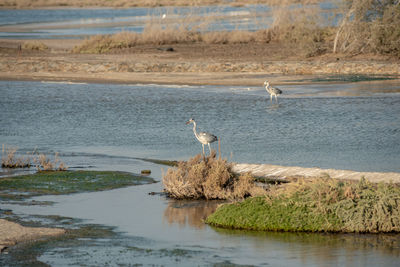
(54, 4)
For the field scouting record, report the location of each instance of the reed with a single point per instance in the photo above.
(9, 159)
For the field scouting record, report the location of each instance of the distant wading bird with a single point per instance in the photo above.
(273, 91)
(203, 137)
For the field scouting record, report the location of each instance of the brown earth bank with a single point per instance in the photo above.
(189, 63)
(12, 233)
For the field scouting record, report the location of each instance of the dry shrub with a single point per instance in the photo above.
(99, 44)
(385, 34)
(208, 178)
(35, 45)
(369, 26)
(300, 27)
(225, 37)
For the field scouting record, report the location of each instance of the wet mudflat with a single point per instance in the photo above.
(109, 127)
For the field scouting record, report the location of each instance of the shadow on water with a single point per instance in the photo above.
(324, 246)
(189, 213)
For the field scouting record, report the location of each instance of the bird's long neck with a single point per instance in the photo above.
(194, 130)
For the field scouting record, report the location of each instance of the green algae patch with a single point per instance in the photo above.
(278, 215)
(66, 182)
(321, 205)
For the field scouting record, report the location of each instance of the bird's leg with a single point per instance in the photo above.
(276, 99)
(271, 98)
(209, 148)
(203, 148)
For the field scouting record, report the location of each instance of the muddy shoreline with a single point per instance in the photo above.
(12, 233)
(189, 64)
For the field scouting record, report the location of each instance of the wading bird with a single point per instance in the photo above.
(203, 137)
(273, 91)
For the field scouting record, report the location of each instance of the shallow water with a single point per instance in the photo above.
(80, 23)
(352, 126)
(111, 126)
(156, 231)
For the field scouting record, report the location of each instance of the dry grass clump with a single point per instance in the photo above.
(34, 45)
(41, 161)
(99, 44)
(208, 178)
(9, 159)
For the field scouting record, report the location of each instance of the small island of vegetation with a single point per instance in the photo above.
(300, 205)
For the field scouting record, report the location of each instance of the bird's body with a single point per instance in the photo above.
(273, 91)
(203, 137)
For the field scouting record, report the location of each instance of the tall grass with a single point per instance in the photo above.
(291, 26)
(155, 36)
(367, 26)
(208, 178)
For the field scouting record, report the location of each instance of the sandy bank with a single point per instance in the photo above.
(246, 74)
(197, 63)
(283, 172)
(13, 233)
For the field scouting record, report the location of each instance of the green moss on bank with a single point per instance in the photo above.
(325, 205)
(66, 182)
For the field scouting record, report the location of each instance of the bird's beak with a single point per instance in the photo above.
(187, 122)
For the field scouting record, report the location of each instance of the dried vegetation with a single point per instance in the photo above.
(208, 178)
(363, 26)
(9, 159)
(34, 45)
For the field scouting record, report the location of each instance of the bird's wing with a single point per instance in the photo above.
(276, 90)
(207, 136)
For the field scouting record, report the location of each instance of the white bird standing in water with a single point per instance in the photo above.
(273, 91)
(203, 137)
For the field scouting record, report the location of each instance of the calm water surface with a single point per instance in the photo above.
(108, 127)
(80, 23)
(343, 126)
